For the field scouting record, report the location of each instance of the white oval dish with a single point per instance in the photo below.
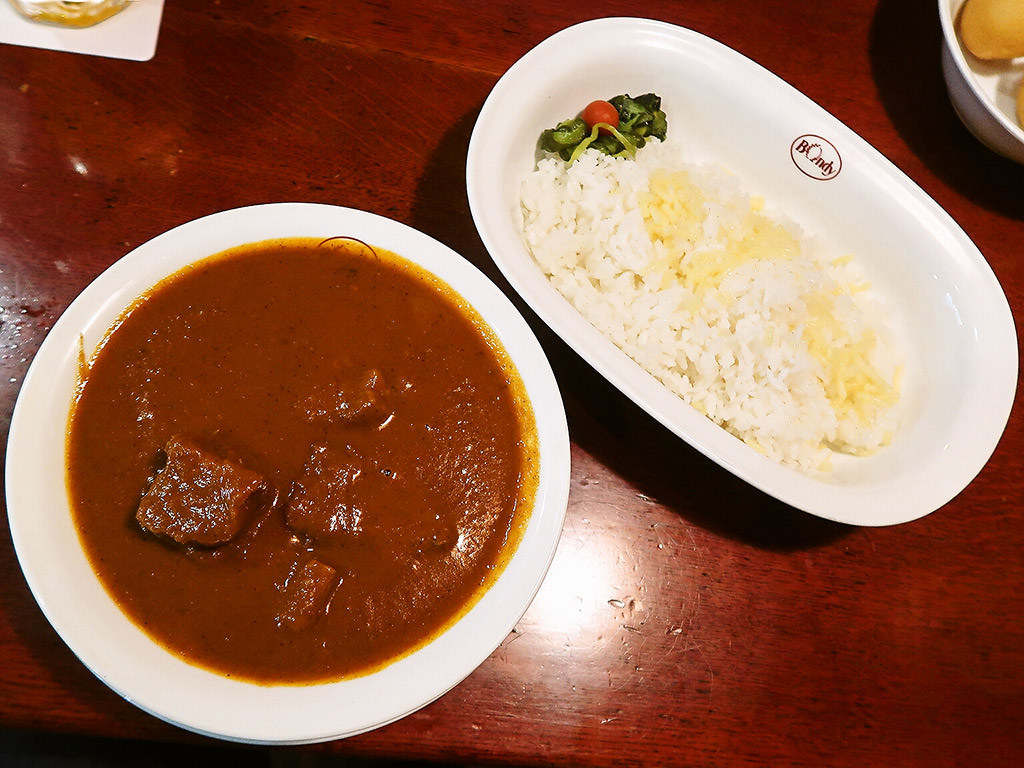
(115, 649)
(983, 93)
(949, 311)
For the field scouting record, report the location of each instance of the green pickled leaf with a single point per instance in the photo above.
(640, 118)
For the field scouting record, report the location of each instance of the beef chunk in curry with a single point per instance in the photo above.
(324, 500)
(199, 497)
(359, 399)
(307, 594)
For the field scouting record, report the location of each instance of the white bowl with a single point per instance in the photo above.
(983, 93)
(125, 658)
(950, 312)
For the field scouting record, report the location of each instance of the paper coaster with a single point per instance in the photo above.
(130, 34)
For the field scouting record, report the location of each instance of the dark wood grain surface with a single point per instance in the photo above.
(688, 619)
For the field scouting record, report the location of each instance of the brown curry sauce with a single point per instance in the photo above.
(380, 438)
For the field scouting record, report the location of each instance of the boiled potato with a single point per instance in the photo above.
(993, 29)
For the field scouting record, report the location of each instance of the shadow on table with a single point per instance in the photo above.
(22, 749)
(19, 749)
(905, 49)
(602, 420)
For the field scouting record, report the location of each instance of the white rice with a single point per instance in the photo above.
(734, 310)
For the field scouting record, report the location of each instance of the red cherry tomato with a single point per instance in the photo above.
(600, 112)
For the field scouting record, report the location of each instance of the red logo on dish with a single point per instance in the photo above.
(816, 157)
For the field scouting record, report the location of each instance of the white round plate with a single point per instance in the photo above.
(949, 311)
(114, 648)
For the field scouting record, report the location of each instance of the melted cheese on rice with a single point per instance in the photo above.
(731, 308)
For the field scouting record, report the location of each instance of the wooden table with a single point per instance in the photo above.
(688, 619)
